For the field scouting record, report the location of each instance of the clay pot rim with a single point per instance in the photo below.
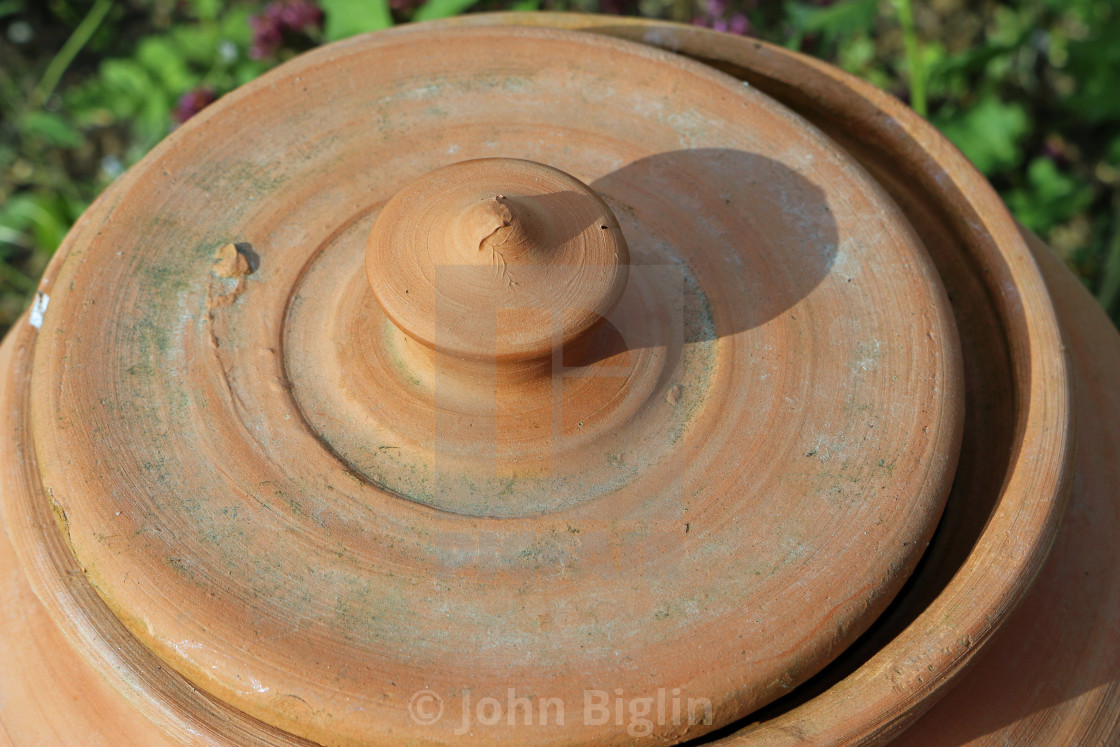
(126, 188)
(1035, 339)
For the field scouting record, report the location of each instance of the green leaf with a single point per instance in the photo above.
(349, 17)
(857, 54)
(1050, 198)
(1093, 64)
(234, 25)
(1112, 152)
(838, 19)
(164, 60)
(52, 128)
(44, 217)
(127, 78)
(525, 5)
(974, 60)
(205, 9)
(834, 22)
(989, 133)
(433, 9)
(9, 236)
(16, 213)
(153, 120)
(246, 70)
(198, 45)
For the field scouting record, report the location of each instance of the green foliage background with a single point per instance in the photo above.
(1028, 89)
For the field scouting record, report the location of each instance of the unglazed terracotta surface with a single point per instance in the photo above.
(763, 449)
(279, 510)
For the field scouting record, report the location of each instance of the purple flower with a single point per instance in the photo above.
(281, 20)
(300, 16)
(739, 24)
(715, 16)
(716, 8)
(192, 102)
(267, 37)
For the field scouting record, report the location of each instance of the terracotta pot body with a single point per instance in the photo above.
(447, 407)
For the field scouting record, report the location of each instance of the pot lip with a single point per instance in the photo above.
(870, 704)
(102, 210)
(1025, 521)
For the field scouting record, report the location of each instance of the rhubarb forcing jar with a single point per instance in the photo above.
(549, 379)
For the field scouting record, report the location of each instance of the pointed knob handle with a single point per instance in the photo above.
(497, 259)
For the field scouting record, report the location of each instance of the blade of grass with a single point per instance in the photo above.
(1110, 284)
(913, 56)
(61, 61)
(10, 96)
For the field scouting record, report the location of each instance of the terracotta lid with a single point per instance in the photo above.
(496, 363)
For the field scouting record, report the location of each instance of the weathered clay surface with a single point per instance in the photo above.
(815, 428)
(1005, 507)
